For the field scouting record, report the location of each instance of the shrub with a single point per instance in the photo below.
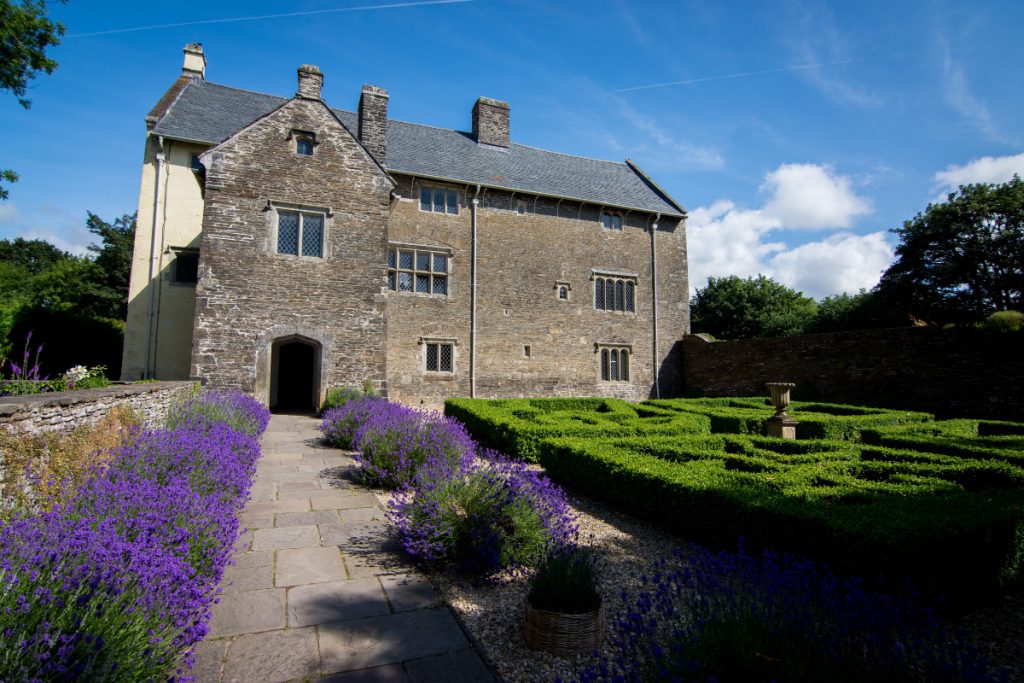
(499, 514)
(395, 441)
(339, 425)
(116, 583)
(1004, 322)
(339, 396)
(733, 617)
(566, 582)
(55, 464)
(241, 412)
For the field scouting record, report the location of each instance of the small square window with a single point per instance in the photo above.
(305, 142)
(611, 221)
(440, 357)
(300, 233)
(186, 267)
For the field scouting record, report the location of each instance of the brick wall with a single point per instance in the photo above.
(963, 373)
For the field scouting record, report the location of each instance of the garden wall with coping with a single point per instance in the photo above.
(51, 411)
(952, 373)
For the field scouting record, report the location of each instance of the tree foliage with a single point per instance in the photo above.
(75, 304)
(962, 259)
(736, 308)
(25, 33)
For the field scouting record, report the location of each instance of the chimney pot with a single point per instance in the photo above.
(373, 122)
(311, 81)
(490, 122)
(195, 61)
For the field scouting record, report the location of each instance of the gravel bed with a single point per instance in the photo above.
(625, 547)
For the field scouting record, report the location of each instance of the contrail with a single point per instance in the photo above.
(744, 74)
(397, 5)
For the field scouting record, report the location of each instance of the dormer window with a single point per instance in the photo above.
(611, 221)
(305, 142)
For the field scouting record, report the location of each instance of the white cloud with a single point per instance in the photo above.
(983, 170)
(812, 197)
(958, 95)
(58, 227)
(662, 150)
(8, 212)
(842, 262)
(724, 239)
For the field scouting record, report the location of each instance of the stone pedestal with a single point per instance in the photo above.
(781, 426)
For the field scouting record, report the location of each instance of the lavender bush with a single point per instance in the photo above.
(241, 412)
(497, 514)
(116, 584)
(395, 442)
(339, 425)
(732, 617)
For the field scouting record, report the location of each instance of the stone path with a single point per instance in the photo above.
(318, 591)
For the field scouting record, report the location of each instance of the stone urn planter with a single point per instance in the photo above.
(564, 613)
(780, 425)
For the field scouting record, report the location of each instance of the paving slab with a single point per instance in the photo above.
(256, 520)
(249, 612)
(322, 517)
(247, 578)
(300, 566)
(286, 537)
(324, 602)
(339, 500)
(456, 667)
(373, 641)
(208, 660)
(299, 505)
(253, 559)
(389, 673)
(273, 657)
(409, 591)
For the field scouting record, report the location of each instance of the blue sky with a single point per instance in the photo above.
(795, 133)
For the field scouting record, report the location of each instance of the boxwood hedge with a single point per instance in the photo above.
(875, 492)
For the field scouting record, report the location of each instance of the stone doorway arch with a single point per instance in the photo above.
(295, 363)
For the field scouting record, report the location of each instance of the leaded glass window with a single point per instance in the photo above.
(439, 200)
(417, 270)
(614, 294)
(611, 221)
(614, 364)
(440, 357)
(300, 233)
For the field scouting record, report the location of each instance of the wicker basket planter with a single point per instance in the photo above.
(564, 635)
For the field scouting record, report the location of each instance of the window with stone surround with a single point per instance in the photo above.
(300, 233)
(615, 292)
(563, 290)
(418, 269)
(614, 361)
(305, 142)
(439, 355)
(439, 200)
(186, 266)
(611, 220)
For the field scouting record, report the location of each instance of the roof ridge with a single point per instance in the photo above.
(245, 90)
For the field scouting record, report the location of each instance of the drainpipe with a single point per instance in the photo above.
(654, 299)
(472, 296)
(151, 306)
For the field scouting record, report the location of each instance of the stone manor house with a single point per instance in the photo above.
(284, 247)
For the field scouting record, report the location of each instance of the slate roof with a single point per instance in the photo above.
(208, 113)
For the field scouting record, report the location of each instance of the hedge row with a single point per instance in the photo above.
(891, 517)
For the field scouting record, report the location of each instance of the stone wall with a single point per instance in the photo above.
(953, 373)
(69, 409)
(527, 247)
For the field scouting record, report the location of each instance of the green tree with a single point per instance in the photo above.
(736, 308)
(962, 259)
(25, 33)
(34, 256)
(862, 311)
(113, 259)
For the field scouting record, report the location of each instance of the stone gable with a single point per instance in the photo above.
(249, 295)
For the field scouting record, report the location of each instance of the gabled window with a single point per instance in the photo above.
(439, 200)
(419, 270)
(300, 233)
(305, 142)
(611, 221)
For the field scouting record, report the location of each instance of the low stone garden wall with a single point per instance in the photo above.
(69, 409)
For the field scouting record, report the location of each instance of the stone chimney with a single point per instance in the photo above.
(490, 122)
(311, 80)
(195, 61)
(373, 122)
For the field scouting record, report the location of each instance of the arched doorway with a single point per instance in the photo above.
(294, 375)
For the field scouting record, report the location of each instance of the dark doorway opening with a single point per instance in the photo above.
(293, 387)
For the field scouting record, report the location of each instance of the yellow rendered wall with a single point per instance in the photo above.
(159, 309)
